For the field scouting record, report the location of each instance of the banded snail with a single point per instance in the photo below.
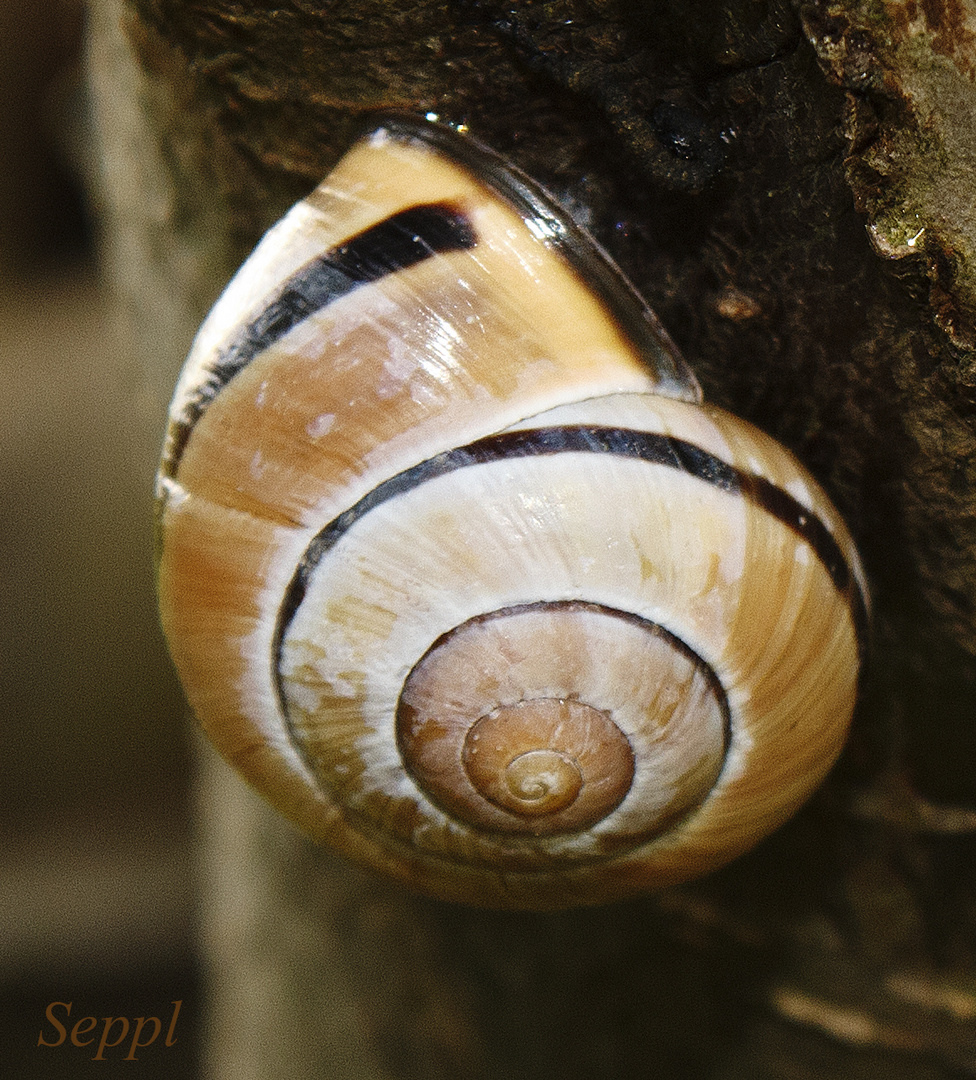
(458, 570)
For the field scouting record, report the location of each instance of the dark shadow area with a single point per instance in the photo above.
(97, 884)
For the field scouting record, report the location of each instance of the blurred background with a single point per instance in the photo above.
(97, 878)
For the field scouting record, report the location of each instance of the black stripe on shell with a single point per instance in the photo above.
(402, 240)
(549, 220)
(652, 447)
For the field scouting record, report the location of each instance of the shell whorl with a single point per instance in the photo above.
(549, 708)
(459, 572)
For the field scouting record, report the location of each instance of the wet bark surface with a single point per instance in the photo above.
(790, 185)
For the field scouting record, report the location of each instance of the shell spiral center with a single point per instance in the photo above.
(539, 720)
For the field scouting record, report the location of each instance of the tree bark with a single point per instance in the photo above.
(790, 185)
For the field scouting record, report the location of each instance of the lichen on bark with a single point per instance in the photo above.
(909, 72)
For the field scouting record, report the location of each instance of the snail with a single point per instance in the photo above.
(458, 570)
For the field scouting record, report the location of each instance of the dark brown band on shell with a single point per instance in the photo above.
(420, 232)
(402, 240)
(626, 306)
(651, 447)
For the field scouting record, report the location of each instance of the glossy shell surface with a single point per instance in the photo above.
(459, 572)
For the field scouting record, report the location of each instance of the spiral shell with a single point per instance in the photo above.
(460, 573)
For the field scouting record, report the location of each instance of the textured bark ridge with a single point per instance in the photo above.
(790, 185)
(909, 72)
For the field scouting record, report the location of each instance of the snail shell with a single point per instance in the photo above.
(459, 572)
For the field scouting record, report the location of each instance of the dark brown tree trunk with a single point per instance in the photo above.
(791, 185)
